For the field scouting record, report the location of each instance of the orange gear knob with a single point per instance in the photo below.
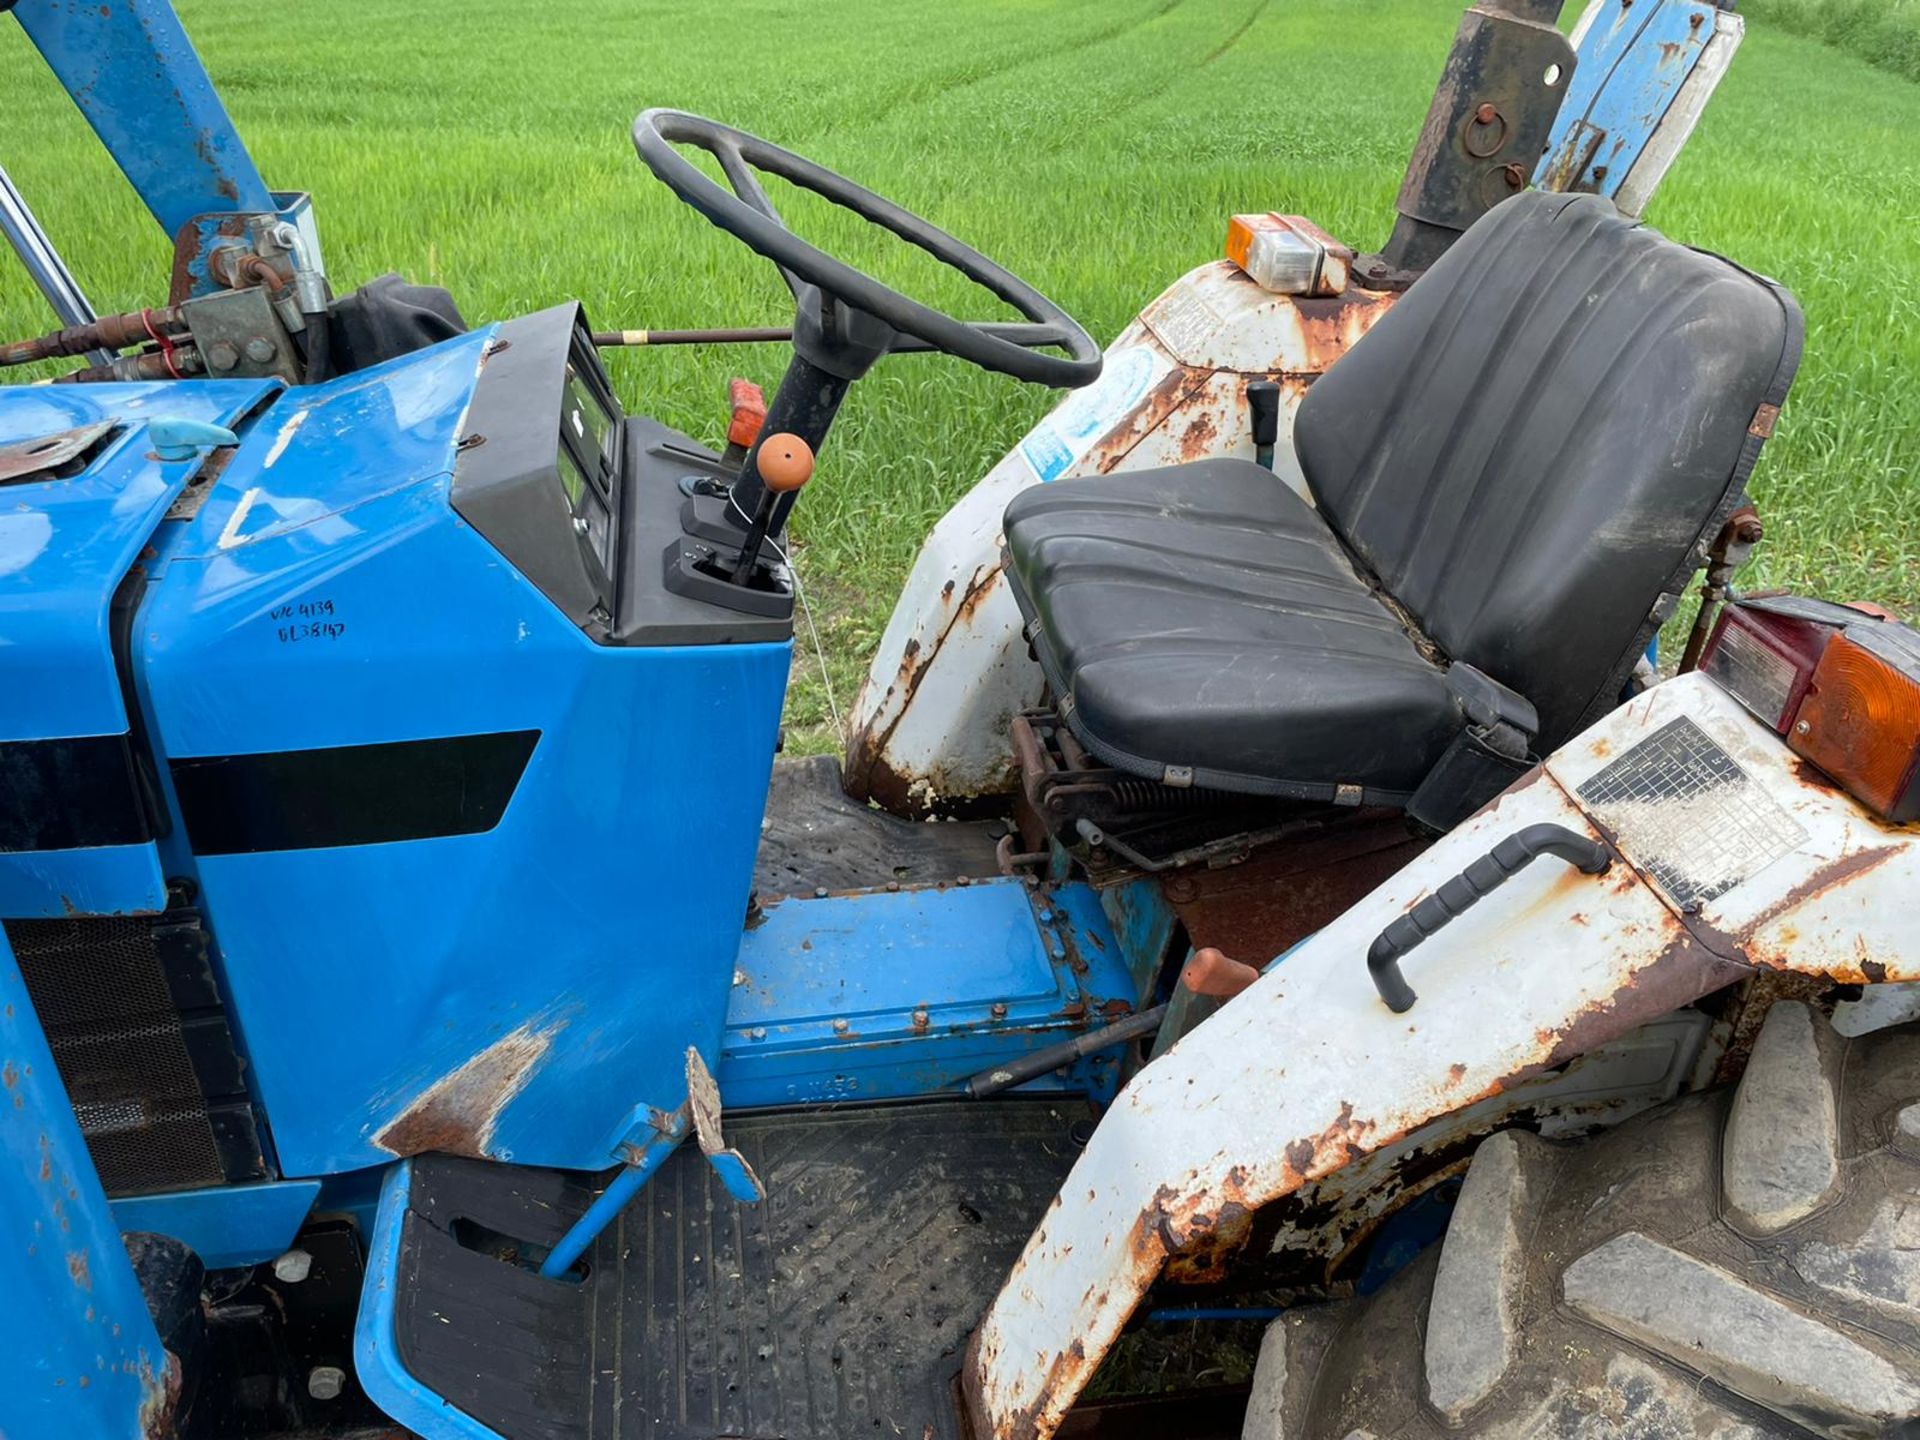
(785, 462)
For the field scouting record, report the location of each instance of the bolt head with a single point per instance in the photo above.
(999, 1010)
(1486, 114)
(260, 350)
(921, 1019)
(840, 1027)
(325, 1382)
(293, 1267)
(222, 356)
(1803, 728)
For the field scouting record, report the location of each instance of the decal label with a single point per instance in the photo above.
(1186, 321)
(1053, 445)
(1686, 812)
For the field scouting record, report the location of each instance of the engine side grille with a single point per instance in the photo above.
(136, 1026)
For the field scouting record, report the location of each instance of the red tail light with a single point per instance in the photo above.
(1842, 686)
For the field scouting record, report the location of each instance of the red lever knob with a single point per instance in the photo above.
(747, 408)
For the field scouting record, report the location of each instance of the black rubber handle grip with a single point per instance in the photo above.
(1263, 407)
(1460, 894)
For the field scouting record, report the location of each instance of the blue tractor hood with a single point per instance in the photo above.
(72, 538)
(467, 872)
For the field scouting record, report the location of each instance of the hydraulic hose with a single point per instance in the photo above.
(109, 332)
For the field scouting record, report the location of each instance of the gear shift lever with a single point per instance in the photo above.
(785, 463)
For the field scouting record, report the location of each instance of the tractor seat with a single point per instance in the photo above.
(1516, 471)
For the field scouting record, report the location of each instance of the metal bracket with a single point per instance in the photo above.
(40, 457)
(241, 335)
(703, 1104)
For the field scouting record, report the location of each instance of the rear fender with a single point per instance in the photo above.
(1737, 859)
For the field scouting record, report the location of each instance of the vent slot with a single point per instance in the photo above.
(136, 1026)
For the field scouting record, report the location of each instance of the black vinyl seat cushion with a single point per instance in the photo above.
(1517, 470)
(1205, 614)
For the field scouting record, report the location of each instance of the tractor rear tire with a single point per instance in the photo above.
(1742, 1263)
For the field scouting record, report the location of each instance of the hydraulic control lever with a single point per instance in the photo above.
(1263, 406)
(785, 463)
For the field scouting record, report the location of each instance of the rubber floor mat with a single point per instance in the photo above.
(814, 837)
(839, 1307)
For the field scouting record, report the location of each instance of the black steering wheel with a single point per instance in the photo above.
(746, 214)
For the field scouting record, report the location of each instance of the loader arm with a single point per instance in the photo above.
(1736, 860)
(137, 79)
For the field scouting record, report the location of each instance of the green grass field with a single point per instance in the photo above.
(1096, 146)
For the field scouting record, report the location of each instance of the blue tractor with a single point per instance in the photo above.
(428, 1006)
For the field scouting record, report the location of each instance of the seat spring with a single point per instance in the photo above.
(1133, 795)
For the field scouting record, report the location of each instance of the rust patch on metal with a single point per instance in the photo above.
(1161, 400)
(1812, 776)
(1829, 877)
(77, 1269)
(1749, 1007)
(159, 1396)
(1331, 326)
(456, 1114)
(1216, 1242)
(1288, 890)
(1682, 973)
(1196, 442)
(867, 774)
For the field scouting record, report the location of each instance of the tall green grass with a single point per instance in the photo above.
(1096, 146)
(1885, 33)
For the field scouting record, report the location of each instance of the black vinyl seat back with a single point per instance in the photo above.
(1531, 449)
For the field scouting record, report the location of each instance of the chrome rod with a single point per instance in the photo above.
(43, 262)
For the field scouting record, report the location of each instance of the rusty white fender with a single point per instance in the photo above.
(1737, 856)
(928, 729)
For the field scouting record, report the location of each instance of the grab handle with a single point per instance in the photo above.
(1460, 894)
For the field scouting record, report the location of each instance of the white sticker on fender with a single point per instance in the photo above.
(1083, 417)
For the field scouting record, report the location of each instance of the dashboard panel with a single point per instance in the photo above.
(582, 500)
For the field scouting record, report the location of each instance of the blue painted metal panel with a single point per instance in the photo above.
(514, 993)
(1632, 62)
(102, 880)
(79, 1359)
(825, 1003)
(1144, 924)
(376, 1353)
(230, 1225)
(132, 71)
(65, 547)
